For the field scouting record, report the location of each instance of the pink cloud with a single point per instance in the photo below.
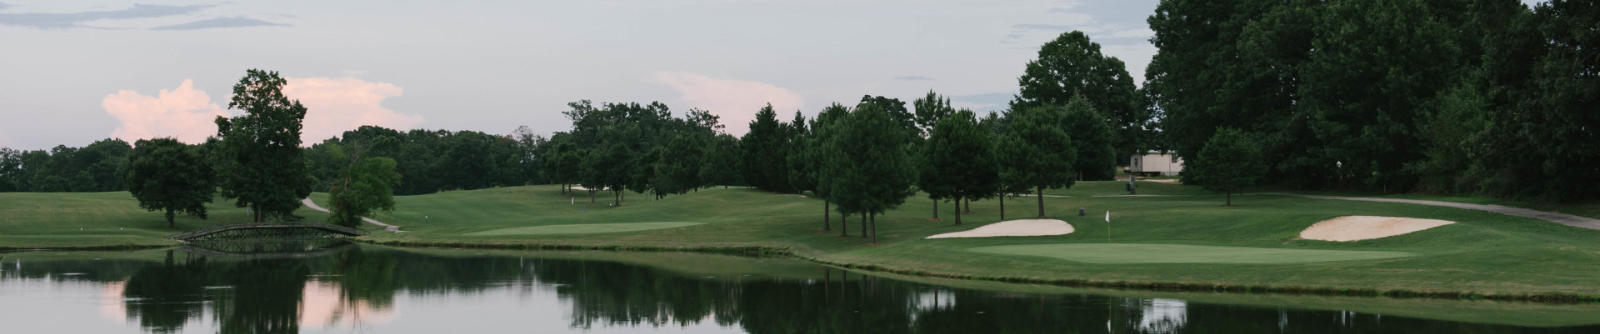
(735, 101)
(184, 113)
(336, 105)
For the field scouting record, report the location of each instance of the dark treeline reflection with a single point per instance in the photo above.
(264, 294)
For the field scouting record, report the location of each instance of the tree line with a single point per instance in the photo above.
(1445, 96)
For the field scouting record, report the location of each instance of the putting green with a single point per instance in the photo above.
(1165, 253)
(583, 228)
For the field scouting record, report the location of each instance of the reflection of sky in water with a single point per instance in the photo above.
(353, 293)
(1162, 315)
(52, 305)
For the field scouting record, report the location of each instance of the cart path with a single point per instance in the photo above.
(314, 206)
(1554, 217)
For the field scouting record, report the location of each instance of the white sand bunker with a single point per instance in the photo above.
(1353, 228)
(1013, 228)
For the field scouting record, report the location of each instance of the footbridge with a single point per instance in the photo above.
(269, 230)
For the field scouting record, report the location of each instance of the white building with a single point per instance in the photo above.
(1155, 163)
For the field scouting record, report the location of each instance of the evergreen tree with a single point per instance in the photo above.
(1035, 152)
(962, 156)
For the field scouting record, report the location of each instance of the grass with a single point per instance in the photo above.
(1484, 254)
(1170, 253)
(582, 228)
(101, 220)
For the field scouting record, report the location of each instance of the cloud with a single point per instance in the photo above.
(336, 105)
(221, 22)
(184, 113)
(983, 102)
(913, 78)
(333, 106)
(1045, 27)
(1140, 33)
(76, 19)
(735, 101)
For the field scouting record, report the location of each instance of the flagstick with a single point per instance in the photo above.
(1108, 226)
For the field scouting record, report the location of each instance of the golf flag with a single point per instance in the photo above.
(1108, 216)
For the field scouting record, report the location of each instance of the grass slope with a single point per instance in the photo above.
(101, 220)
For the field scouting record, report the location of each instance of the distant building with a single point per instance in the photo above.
(1155, 163)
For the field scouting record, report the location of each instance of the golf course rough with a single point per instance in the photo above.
(583, 228)
(1119, 253)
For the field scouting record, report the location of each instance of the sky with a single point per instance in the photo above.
(79, 71)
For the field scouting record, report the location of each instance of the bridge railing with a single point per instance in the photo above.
(268, 229)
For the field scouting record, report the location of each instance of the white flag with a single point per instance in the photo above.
(1108, 216)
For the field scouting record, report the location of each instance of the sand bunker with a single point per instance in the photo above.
(1013, 228)
(1353, 228)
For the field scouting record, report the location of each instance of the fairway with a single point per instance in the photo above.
(582, 228)
(1165, 253)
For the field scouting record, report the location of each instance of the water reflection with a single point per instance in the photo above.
(366, 288)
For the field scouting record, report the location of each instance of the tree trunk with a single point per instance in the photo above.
(616, 198)
(844, 225)
(1041, 200)
(864, 225)
(826, 216)
(874, 228)
(169, 218)
(958, 211)
(591, 195)
(936, 209)
(1002, 206)
(969, 206)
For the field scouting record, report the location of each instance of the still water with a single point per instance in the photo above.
(366, 289)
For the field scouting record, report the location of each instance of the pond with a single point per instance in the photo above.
(369, 289)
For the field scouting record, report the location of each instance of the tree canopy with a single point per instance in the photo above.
(1230, 161)
(259, 158)
(368, 186)
(166, 175)
(1072, 66)
(1035, 152)
(961, 156)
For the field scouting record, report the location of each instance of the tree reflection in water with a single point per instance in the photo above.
(358, 285)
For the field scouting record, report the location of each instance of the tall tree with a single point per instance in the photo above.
(1229, 162)
(261, 164)
(724, 165)
(824, 129)
(367, 186)
(678, 170)
(1036, 152)
(1092, 139)
(962, 156)
(871, 163)
(167, 175)
(929, 110)
(765, 149)
(1072, 66)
